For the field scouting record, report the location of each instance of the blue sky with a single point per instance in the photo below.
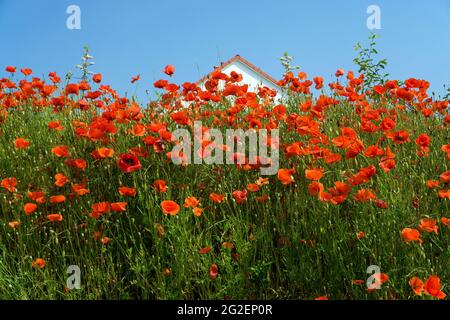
(141, 37)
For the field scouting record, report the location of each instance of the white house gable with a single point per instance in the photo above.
(251, 75)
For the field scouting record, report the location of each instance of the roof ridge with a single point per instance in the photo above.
(237, 57)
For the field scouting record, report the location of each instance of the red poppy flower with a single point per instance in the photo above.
(39, 263)
(129, 163)
(119, 206)
(9, 184)
(56, 217)
(217, 198)
(97, 78)
(170, 207)
(433, 287)
(29, 208)
(416, 285)
(205, 250)
(213, 271)
(411, 235)
(160, 185)
(240, 196)
(127, 191)
(135, 78)
(10, 69)
(21, 143)
(169, 70)
(26, 71)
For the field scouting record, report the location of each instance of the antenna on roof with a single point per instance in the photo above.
(198, 70)
(218, 54)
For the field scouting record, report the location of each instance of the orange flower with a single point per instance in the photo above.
(444, 194)
(428, 225)
(340, 72)
(262, 181)
(314, 174)
(105, 241)
(61, 151)
(318, 81)
(217, 198)
(77, 163)
(21, 143)
(10, 69)
(213, 271)
(252, 187)
(14, 224)
(423, 141)
(127, 191)
(29, 208)
(9, 184)
(191, 202)
(99, 209)
(119, 206)
(60, 180)
(433, 287)
(416, 285)
(399, 137)
(432, 184)
(39, 263)
(286, 176)
(240, 196)
(387, 162)
(358, 282)
(205, 250)
(26, 71)
(336, 195)
(315, 188)
(198, 211)
(169, 70)
(72, 88)
(445, 221)
(55, 217)
(102, 153)
(322, 298)
(373, 151)
(97, 78)
(57, 199)
(364, 195)
(37, 196)
(160, 186)
(138, 130)
(55, 125)
(411, 235)
(80, 189)
(445, 177)
(380, 278)
(170, 207)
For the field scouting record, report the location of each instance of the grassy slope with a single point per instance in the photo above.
(272, 262)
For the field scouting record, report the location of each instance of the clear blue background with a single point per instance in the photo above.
(141, 37)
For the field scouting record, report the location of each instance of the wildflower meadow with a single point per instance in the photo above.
(101, 198)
